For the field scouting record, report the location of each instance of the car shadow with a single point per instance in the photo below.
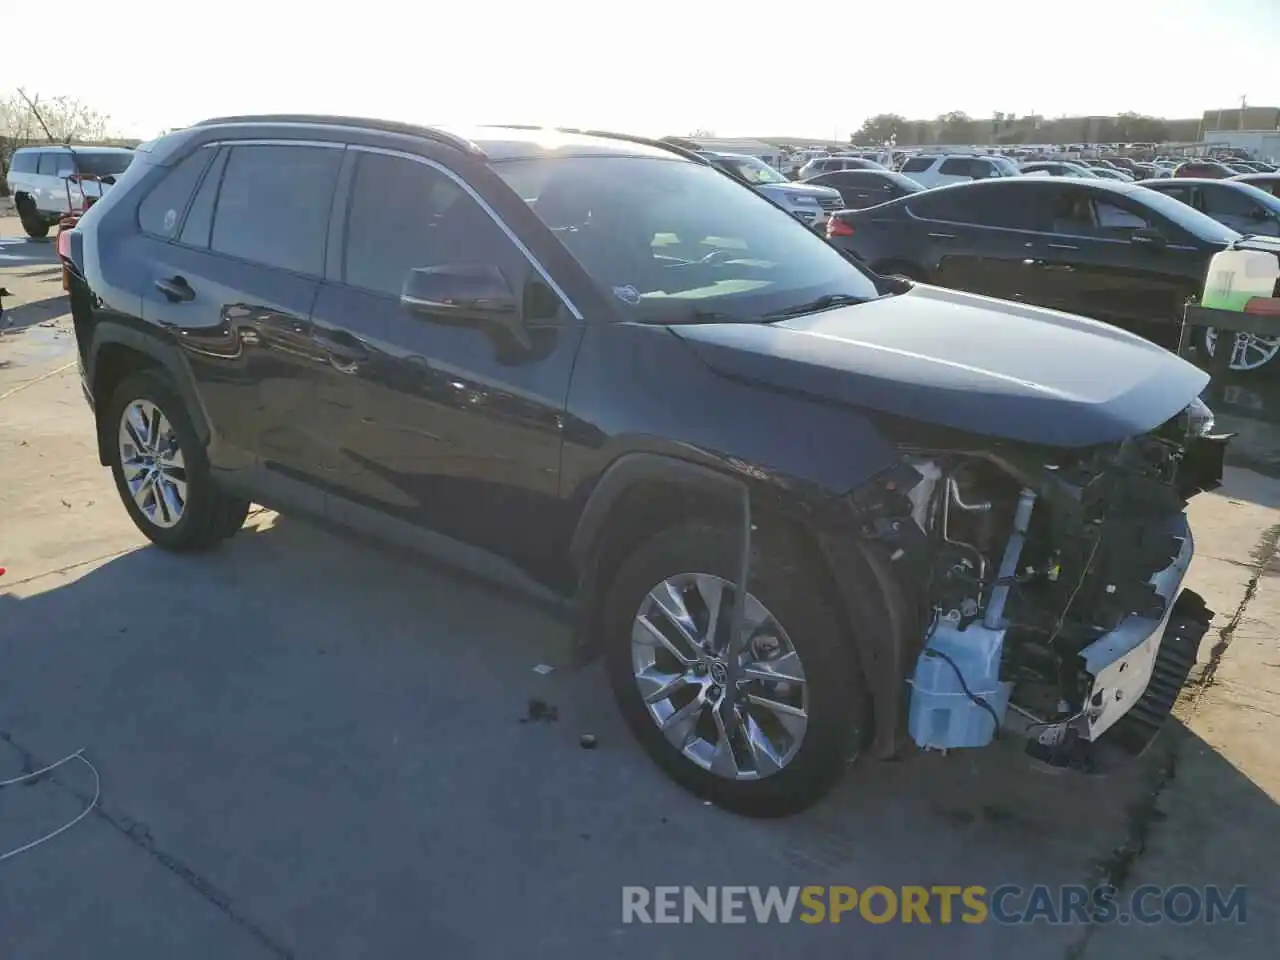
(316, 727)
(22, 251)
(32, 313)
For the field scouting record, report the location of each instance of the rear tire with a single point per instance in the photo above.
(35, 225)
(812, 637)
(161, 471)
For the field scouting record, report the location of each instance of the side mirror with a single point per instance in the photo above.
(1148, 237)
(476, 294)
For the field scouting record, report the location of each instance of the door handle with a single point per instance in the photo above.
(176, 289)
(1061, 246)
(942, 236)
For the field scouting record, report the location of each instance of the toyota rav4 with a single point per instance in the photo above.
(801, 510)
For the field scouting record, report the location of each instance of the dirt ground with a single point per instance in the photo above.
(308, 746)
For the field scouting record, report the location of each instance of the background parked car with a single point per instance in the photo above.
(1118, 252)
(830, 164)
(37, 180)
(1240, 206)
(1204, 169)
(806, 202)
(1269, 182)
(1058, 168)
(1111, 173)
(932, 170)
(866, 188)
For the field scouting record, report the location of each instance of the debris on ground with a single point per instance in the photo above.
(539, 711)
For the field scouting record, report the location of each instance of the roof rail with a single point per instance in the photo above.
(384, 126)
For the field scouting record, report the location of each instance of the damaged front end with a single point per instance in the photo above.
(1047, 587)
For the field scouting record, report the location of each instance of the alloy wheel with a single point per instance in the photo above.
(737, 709)
(1250, 352)
(152, 463)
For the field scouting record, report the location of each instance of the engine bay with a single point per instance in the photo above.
(1050, 587)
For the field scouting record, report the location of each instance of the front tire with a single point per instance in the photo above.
(766, 733)
(161, 470)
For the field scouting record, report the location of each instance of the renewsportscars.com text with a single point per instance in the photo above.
(1007, 904)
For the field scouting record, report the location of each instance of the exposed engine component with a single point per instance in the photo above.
(1053, 588)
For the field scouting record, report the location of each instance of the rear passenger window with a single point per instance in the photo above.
(195, 230)
(48, 164)
(917, 165)
(406, 215)
(24, 162)
(273, 207)
(957, 168)
(160, 212)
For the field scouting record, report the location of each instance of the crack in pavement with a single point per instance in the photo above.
(138, 834)
(1116, 867)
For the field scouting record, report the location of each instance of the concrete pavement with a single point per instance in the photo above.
(312, 747)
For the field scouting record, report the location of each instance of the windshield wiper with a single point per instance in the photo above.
(824, 302)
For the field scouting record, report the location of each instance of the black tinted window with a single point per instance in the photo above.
(195, 231)
(48, 164)
(273, 207)
(1225, 202)
(917, 165)
(160, 212)
(24, 162)
(1077, 212)
(406, 215)
(957, 168)
(103, 164)
(985, 206)
(1182, 194)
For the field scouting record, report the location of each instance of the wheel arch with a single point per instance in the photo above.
(117, 351)
(651, 491)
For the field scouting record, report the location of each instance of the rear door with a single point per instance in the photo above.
(234, 270)
(975, 237)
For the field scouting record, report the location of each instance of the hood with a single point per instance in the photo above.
(971, 363)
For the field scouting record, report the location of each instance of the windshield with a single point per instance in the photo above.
(103, 164)
(668, 239)
(754, 171)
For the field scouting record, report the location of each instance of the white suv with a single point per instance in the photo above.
(938, 171)
(38, 180)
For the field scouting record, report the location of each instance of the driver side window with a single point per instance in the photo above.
(405, 215)
(1079, 213)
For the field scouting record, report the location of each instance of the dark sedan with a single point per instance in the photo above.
(866, 188)
(1115, 251)
(1269, 182)
(1240, 206)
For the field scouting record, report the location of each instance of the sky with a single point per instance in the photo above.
(656, 67)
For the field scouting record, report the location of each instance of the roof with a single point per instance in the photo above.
(495, 142)
(74, 148)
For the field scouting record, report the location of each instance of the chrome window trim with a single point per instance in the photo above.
(326, 144)
(493, 215)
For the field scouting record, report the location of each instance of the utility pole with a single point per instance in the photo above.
(36, 112)
(1244, 102)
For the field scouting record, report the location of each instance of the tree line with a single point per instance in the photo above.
(1005, 128)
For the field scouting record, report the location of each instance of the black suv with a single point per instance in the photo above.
(632, 377)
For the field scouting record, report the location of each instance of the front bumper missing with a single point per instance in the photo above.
(1122, 661)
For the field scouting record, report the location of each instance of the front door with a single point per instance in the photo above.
(453, 426)
(1090, 264)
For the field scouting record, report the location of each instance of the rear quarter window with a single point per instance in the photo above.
(160, 213)
(917, 165)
